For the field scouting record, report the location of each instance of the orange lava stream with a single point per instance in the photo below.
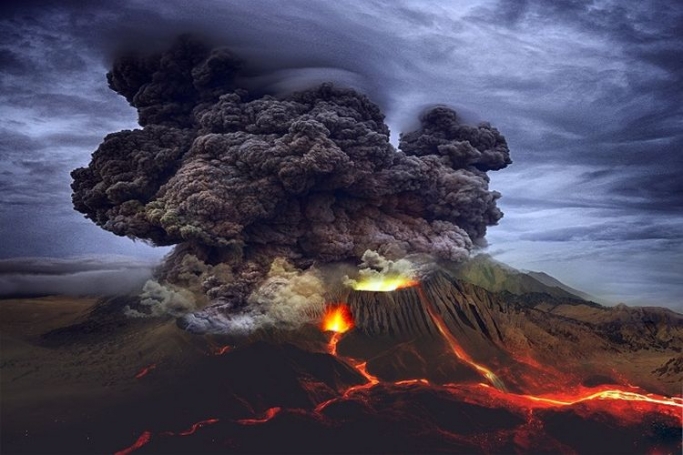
(269, 414)
(453, 342)
(361, 367)
(332, 345)
(610, 394)
(559, 400)
(146, 436)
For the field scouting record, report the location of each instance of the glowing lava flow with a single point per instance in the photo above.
(146, 436)
(566, 400)
(338, 320)
(563, 399)
(269, 414)
(611, 394)
(453, 343)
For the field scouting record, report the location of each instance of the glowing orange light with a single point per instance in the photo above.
(612, 394)
(267, 415)
(146, 436)
(383, 283)
(454, 345)
(337, 318)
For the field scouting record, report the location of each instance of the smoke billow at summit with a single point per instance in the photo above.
(259, 192)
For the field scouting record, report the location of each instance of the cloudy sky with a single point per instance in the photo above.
(588, 94)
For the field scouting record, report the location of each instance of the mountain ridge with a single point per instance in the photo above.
(495, 276)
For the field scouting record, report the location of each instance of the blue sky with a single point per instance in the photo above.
(587, 94)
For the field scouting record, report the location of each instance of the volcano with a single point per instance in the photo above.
(409, 374)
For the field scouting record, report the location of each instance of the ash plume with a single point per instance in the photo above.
(157, 300)
(237, 180)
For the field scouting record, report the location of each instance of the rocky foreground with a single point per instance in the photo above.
(78, 377)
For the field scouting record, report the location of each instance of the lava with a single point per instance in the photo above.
(606, 398)
(383, 283)
(143, 439)
(142, 373)
(269, 414)
(610, 394)
(576, 396)
(192, 429)
(332, 345)
(337, 318)
(146, 436)
(453, 342)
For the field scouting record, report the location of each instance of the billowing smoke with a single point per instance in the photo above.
(287, 298)
(239, 179)
(375, 267)
(157, 300)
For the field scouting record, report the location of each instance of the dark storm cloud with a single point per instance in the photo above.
(618, 232)
(644, 105)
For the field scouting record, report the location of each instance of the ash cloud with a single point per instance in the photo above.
(237, 179)
(157, 300)
(376, 266)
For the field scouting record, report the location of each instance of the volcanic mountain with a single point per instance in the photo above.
(495, 276)
(435, 365)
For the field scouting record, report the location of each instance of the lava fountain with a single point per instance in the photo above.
(338, 320)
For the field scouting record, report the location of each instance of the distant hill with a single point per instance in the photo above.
(494, 276)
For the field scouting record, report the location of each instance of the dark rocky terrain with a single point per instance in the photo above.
(78, 377)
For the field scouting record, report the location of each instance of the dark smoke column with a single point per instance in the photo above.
(237, 180)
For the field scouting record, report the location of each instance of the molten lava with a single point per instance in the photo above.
(143, 439)
(383, 283)
(146, 436)
(268, 415)
(454, 345)
(337, 318)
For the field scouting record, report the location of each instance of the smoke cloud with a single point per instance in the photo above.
(237, 180)
(287, 299)
(157, 300)
(374, 266)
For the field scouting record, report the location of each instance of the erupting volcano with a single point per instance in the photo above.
(315, 299)
(565, 394)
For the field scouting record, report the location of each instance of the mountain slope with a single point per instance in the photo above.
(484, 271)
